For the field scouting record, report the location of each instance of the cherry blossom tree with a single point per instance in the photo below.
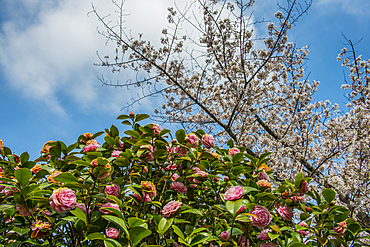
(224, 78)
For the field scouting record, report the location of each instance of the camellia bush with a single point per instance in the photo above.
(149, 188)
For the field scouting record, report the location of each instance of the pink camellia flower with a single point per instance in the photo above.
(116, 153)
(285, 212)
(241, 209)
(341, 229)
(303, 189)
(192, 139)
(264, 234)
(224, 236)
(193, 186)
(243, 241)
(233, 151)
(170, 167)
(269, 244)
(171, 208)
(132, 114)
(179, 187)
(156, 129)
(303, 233)
(263, 176)
(112, 232)
(234, 193)
(113, 190)
(92, 145)
(175, 176)
(62, 200)
(263, 217)
(208, 141)
(145, 196)
(105, 207)
(199, 172)
(150, 188)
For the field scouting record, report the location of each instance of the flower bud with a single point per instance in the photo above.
(224, 236)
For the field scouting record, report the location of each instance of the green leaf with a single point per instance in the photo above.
(238, 157)
(265, 196)
(248, 190)
(163, 225)
(178, 232)
(123, 116)
(298, 180)
(109, 242)
(4, 207)
(297, 245)
(329, 195)
(243, 217)
(137, 234)
(126, 122)
(23, 176)
(79, 214)
(134, 222)
(233, 206)
(118, 221)
(24, 157)
(21, 231)
(132, 133)
(140, 117)
(180, 136)
(95, 235)
(353, 226)
(191, 211)
(66, 177)
(200, 238)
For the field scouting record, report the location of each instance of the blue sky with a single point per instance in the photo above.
(48, 83)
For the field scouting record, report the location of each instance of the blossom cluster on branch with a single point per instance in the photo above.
(225, 79)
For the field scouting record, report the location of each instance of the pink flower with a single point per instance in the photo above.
(175, 176)
(233, 151)
(104, 209)
(303, 233)
(82, 206)
(243, 242)
(112, 232)
(285, 212)
(303, 189)
(115, 153)
(341, 229)
(171, 208)
(297, 198)
(156, 129)
(263, 216)
(170, 167)
(263, 176)
(199, 172)
(179, 187)
(241, 209)
(132, 114)
(145, 196)
(113, 190)
(269, 244)
(234, 193)
(264, 234)
(92, 145)
(192, 139)
(145, 170)
(193, 186)
(224, 236)
(62, 200)
(208, 141)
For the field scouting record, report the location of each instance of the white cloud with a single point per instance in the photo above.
(358, 8)
(48, 50)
